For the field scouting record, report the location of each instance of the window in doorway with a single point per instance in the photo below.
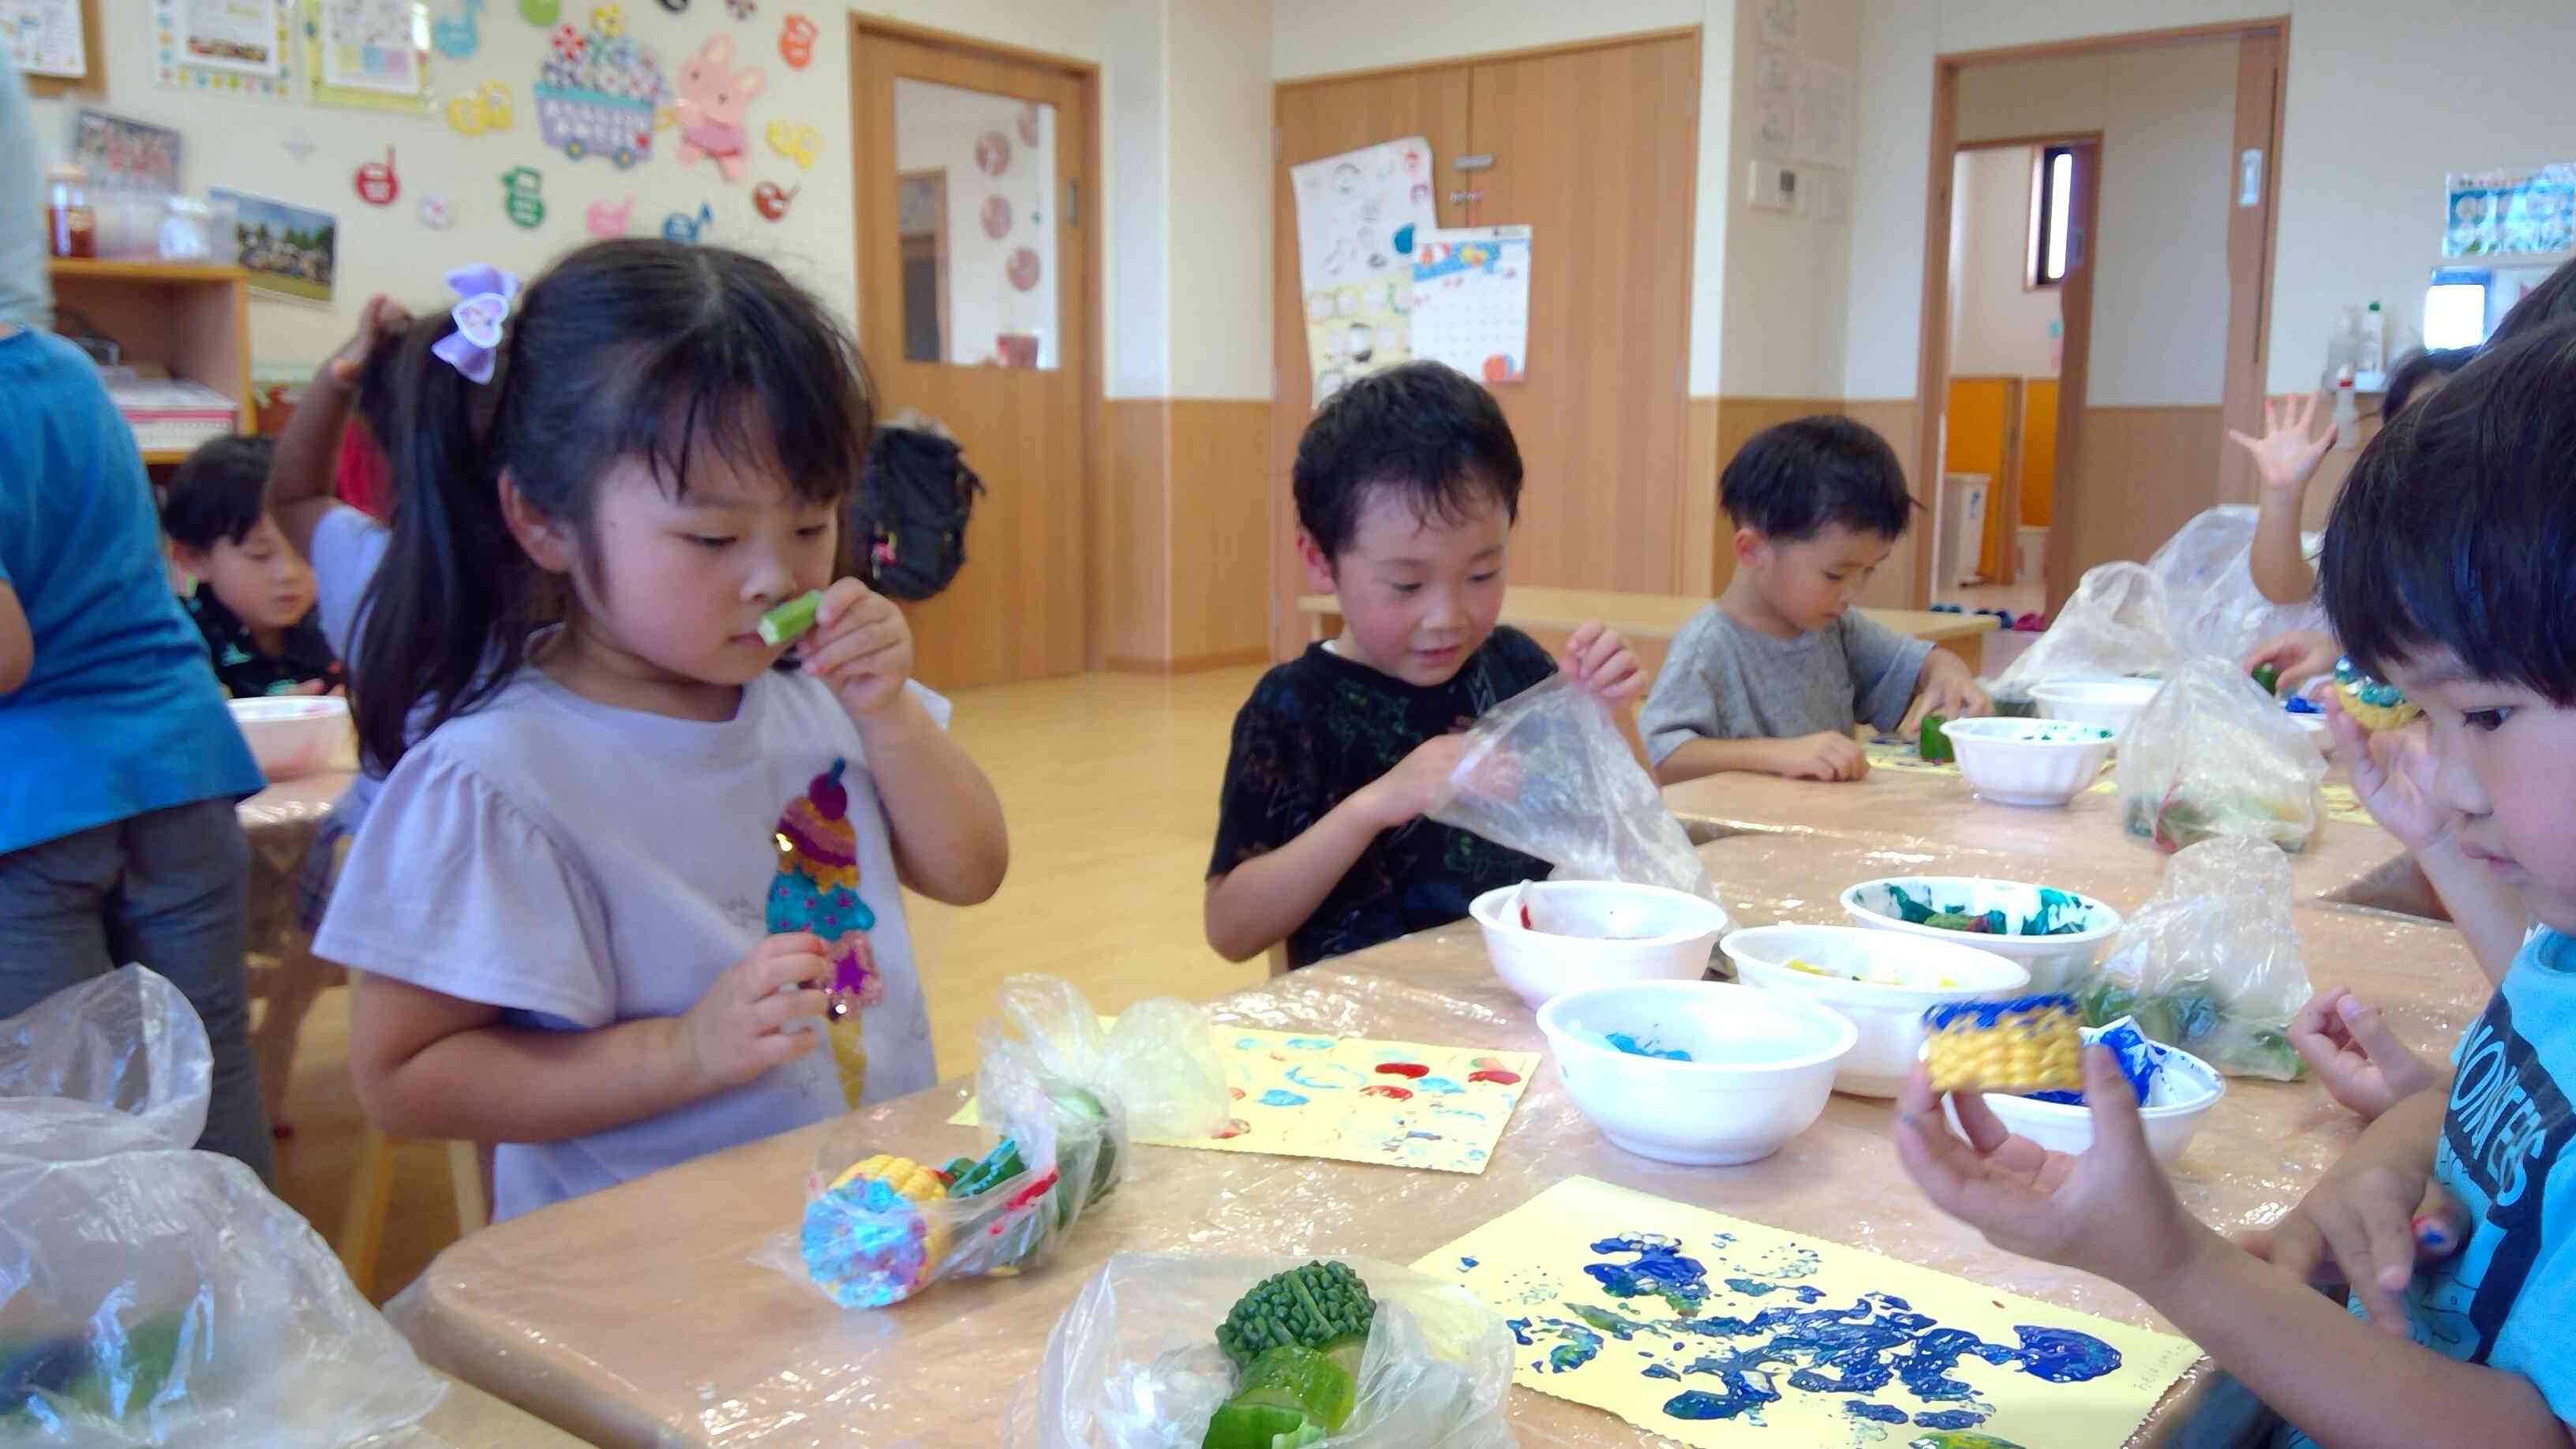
(2052, 201)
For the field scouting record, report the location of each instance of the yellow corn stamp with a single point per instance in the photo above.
(2027, 1044)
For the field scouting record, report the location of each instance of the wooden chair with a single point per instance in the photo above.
(371, 1189)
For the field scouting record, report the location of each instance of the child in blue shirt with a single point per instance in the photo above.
(2449, 570)
(118, 841)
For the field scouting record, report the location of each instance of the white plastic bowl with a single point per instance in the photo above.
(2042, 762)
(1601, 932)
(293, 734)
(2181, 1097)
(1761, 1066)
(2051, 960)
(1889, 1017)
(2110, 703)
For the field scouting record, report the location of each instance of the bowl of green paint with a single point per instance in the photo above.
(2053, 934)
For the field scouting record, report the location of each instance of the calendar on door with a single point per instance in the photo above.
(1471, 300)
(1357, 216)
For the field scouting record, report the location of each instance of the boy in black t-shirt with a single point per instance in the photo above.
(1408, 483)
(254, 596)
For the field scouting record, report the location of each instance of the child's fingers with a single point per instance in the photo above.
(790, 943)
(770, 975)
(2368, 1029)
(2440, 1224)
(1986, 1132)
(839, 598)
(779, 1048)
(2298, 1249)
(2114, 1106)
(837, 654)
(1575, 645)
(775, 1012)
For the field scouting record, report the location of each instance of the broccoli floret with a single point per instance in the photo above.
(1320, 1306)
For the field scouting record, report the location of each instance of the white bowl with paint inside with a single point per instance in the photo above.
(1880, 981)
(2185, 1090)
(2051, 960)
(2110, 703)
(294, 734)
(2036, 762)
(1759, 1066)
(1594, 933)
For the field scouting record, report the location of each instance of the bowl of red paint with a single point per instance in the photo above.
(1547, 938)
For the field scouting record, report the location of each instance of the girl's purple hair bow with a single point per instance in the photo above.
(484, 295)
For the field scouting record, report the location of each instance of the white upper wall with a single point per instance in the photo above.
(1788, 274)
(1326, 37)
(1999, 324)
(1221, 157)
(2384, 96)
(1135, 223)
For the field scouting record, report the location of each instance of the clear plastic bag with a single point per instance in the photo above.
(1547, 774)
(1133, 1363)
(2207, 572)
(2210, 963)
(2118, 623)
(127, 1040)
(880, 1226)
(153, 1295)
(2211, 755)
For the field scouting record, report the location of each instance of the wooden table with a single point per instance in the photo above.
(285, 975)
(469, 1418)
(636, 1316)
(1649, 621)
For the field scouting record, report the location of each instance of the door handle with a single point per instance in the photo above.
(1465, 198)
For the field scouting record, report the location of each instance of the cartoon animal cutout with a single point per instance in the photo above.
(713, 97)
(679, 226)
(456, 35)
(523, 196)
(796, 141)
(770, 201)
(376, 183)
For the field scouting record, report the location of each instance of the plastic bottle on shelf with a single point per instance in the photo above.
(71, 224)
(2347, 420)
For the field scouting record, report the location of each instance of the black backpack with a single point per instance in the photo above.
(912, 507)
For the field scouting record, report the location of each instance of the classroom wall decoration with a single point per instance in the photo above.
(375, 181)
(770, 201)
(713, 98)
(1471, 300)
(239, 47)
(1357, 216)
(368, 54)
(1719, 1332)
(603, 220)
(680, 226)
(596, 94)
(2508, 213)
(484, 108)
(457, 36)
(523, 196)
(796, 41)
(437, 212)
(117, 152)
(796, 141)
(44, 37)
(291, 252)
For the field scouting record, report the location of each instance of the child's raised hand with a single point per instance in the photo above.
(2285, 457)
(2361, 1062)
(379, 318)
(2110, 1212)
(1824, 755)
(2392, 776)
(1418, 783)
(1599, 660)
(860, 646)
(743, 1025)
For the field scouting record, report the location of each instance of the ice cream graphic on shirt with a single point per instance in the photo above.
(817, 890)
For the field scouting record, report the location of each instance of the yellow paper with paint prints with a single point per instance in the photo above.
(1351, 1099)
(1727, 1334)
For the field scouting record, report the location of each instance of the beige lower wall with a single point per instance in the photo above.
(1184, 573)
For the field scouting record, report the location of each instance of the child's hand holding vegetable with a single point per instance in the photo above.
(861, 646)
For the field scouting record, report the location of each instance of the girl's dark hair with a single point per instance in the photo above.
(2414, 370)
(2457, 529)
(634, 348)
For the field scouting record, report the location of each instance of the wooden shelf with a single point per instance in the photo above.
(192, 321)
(155, 457)
(60, 267)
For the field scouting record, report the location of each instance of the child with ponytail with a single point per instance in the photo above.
(628, 855)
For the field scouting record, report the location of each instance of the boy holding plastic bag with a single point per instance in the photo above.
(1407, 484)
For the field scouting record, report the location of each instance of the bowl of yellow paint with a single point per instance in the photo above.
(1880, 980)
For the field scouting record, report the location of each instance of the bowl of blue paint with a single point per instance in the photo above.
(2175, 1091)
(1550, 937)
(1701, 1073)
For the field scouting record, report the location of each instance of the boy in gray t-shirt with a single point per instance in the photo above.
(1771, 677)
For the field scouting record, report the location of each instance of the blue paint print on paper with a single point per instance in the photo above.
(1307, 1077)
(1282, 1097)
(1308, 1043)
(1868, 1351)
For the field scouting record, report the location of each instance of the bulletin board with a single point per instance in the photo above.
(233, 47)
(53, 43)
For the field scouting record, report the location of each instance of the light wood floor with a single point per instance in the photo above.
(1110, 785)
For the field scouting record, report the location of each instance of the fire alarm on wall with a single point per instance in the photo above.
(1773, 187)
